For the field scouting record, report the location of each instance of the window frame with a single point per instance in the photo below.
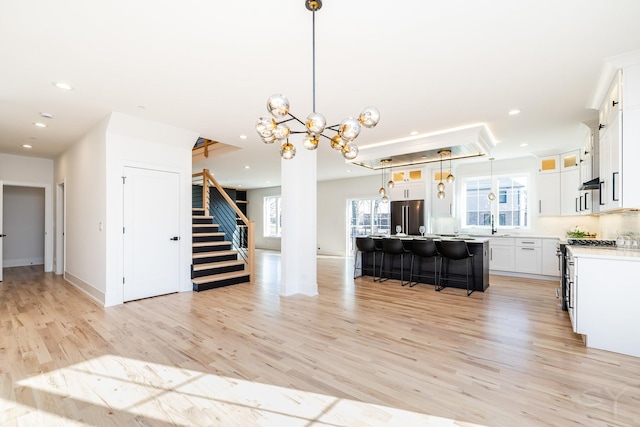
(267, 217)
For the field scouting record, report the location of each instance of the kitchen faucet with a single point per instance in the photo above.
(493, 226)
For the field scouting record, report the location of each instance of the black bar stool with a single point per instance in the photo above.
(393, 248)
(455, 250)
(423, 249)
(365, 245)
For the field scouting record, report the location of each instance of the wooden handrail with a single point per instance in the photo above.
(207, 181)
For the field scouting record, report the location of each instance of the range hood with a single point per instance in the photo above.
(593, 184)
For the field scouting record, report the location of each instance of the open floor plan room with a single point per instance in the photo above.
(360, 353)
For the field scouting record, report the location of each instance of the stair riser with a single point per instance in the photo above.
(221, 283)
(212, 248)
(203, 220)
(207, 260)
(211, 229)
(197, 212)
(218, 270)
(197, 238)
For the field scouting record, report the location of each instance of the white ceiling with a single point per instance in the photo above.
(209, 66)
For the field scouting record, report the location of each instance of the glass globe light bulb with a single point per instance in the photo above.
(369, 117)
(337, 142)
(281, 132)
(491, 196)
(316, 123)
(265, 126)
(450, 178)
(269, 139)
(440, 194)
(349, 129)
(391, 184)
(382, 191)
(385, 199)
(441, 186)
(350, 151)
(310, 141)
(287, 151)
(278, 106)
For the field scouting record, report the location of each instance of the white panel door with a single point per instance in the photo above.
(151, 233)
(1, 231)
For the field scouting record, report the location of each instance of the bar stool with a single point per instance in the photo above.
(365, 245)
(393, 248)
(455, 250)
(424, 249)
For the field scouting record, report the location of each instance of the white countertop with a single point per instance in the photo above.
(604, 253)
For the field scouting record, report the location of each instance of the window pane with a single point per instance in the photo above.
(272, 216)
(513, 211)
(478, 206)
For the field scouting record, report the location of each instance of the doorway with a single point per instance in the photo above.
(151, 233)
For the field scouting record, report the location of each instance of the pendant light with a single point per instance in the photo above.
(382, 191)
(391, 184)
(450, 177)
(441, 193)
(491, 196)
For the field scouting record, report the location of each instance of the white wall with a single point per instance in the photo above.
(23, 224)
(332, 211)
(82, 168)
(33, 172)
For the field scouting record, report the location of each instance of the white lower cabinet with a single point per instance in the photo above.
(501, 254)
(529, 256)
(524, 255)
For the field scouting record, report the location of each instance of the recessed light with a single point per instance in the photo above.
(415, 132)
(514, 112)
(62, 85)
(46, 115)
(348, 170)
(26, 146)
(243, 136)
(247, 167)
(524, 144)
(40, 125)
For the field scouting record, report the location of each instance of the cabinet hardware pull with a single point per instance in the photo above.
(614, 103)
(528, 249)
(600, 193)
(600, 126)
(613, 192)
(539, 206)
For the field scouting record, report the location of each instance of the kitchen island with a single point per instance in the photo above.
(479, 247)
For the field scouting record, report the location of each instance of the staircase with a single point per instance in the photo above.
(215, 263)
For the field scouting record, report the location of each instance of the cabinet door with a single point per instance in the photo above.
(570, 160)
(548, 194)
(550, 260)
(501, 258)
(528, 260)
(442, 207)
(549, 164)
(570, 200)
(408, 191)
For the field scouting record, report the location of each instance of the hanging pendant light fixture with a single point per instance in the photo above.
(390, 183)
(491, 196)
(441, 193)
(382, 190)
(450, 177)
(346, 132)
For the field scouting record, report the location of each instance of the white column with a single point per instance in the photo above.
(299, 219)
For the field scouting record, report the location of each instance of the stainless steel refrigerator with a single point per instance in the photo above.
(409, 214)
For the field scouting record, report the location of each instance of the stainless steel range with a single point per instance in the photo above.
(566, 265)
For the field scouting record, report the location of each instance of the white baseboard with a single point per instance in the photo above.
(85, 288)
(22, 262)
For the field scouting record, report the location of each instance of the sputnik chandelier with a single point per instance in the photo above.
(278, 106)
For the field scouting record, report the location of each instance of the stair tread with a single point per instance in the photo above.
(209, 233)
(219, 277)
(219, 264)
(214, 254)
(214, 243)
(206, 225)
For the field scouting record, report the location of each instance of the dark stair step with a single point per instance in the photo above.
(215, 256)
(205, 228)
(202, 219)
(197, 212)
(219, 280)
(208, 237)
(211, 246)
(211, 268)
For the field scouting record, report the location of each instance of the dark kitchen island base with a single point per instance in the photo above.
(425, 267)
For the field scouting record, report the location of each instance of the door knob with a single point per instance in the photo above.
(3, 235)
(174, 238)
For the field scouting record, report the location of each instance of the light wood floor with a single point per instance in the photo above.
(359, 354)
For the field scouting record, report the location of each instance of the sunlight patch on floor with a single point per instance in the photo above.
(126, 389)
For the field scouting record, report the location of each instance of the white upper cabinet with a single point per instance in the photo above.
(619, 147)
(549, 164)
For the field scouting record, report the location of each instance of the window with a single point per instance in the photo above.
(511, 207)
(272, 216)
(366, 217)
